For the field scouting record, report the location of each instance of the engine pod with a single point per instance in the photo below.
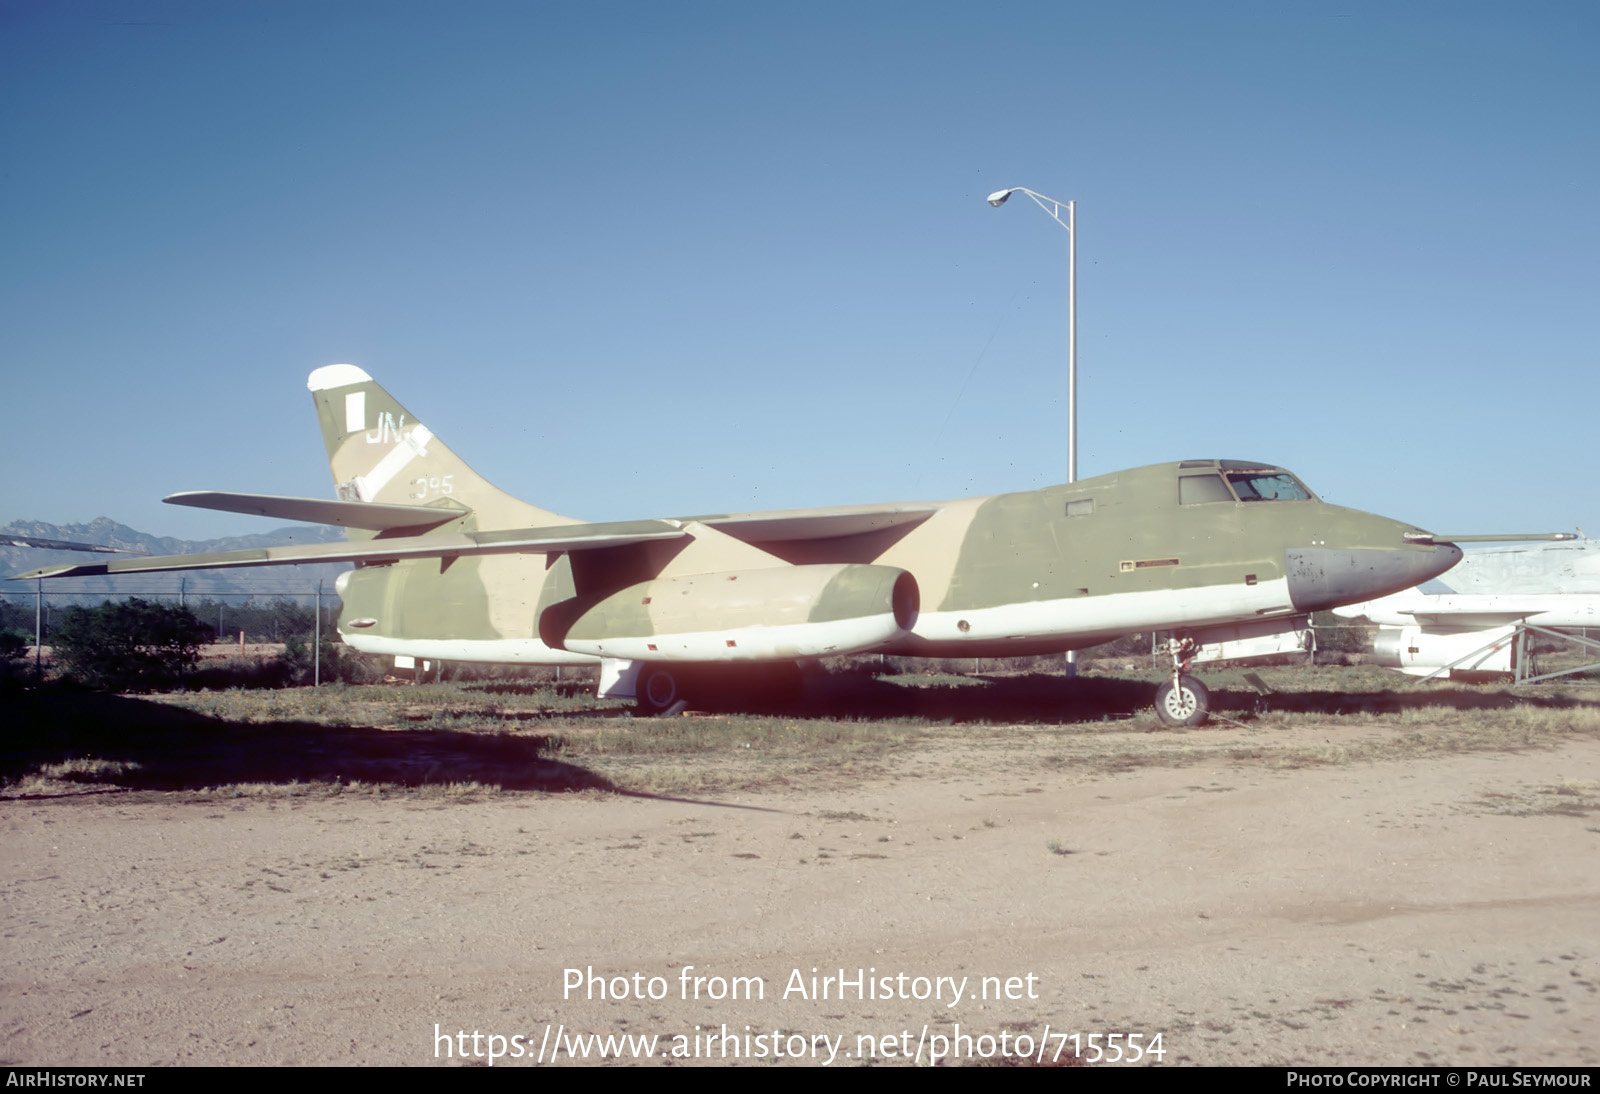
(777, 613)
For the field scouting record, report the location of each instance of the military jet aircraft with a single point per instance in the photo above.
(1229, 554)
(1479, 619)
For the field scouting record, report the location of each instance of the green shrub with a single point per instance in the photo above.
(13, 646)
(132, 646)
(340, 664)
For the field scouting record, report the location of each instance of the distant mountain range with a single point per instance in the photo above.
(256, 580)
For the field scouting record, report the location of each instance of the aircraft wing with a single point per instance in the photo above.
(1485, 609)
(1477, 610)
(787, 526)
(373, 516)
(7, 539)
(567, 537)
(773, 527)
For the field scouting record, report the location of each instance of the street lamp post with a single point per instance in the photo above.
(1054, 207)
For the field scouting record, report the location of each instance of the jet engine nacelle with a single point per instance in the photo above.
(1424, 650)
(777, 613)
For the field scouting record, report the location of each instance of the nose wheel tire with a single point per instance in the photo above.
(657, 690)
(1186, 703)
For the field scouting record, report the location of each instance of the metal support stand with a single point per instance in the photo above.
(316, 650)
(1522, 660)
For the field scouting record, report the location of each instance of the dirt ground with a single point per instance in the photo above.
(1405, 912)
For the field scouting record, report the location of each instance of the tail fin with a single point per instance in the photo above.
(380, 453)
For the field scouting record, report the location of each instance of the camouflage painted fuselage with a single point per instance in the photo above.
(1170, 546)
(450, 568)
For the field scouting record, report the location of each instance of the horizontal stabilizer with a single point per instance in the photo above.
(373, 516)
(7, 539)
(566, 537)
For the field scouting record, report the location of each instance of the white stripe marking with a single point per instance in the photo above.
(1125, 613)
(499, 651)
(411, 445)
(355, 412)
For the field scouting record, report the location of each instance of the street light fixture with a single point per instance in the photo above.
(1054, 207)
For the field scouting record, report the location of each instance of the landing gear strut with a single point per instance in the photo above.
(1183, 700)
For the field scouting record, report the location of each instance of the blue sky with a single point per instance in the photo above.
(644, 259)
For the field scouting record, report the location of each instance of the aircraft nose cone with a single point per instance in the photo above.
(1326, 577)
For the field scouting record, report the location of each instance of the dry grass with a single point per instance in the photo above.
(1570, 798)
(463, 741)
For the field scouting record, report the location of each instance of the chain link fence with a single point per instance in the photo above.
(292, 630)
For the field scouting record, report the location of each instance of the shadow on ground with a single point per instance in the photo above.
(166, 748)
(117, 741)
(1055, 699)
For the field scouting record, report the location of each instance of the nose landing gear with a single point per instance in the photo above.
(1183, 700)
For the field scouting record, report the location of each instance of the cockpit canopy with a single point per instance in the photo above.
(1202, 481)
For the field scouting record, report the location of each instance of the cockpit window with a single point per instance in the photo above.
(1194, 489)
(1266, 486)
